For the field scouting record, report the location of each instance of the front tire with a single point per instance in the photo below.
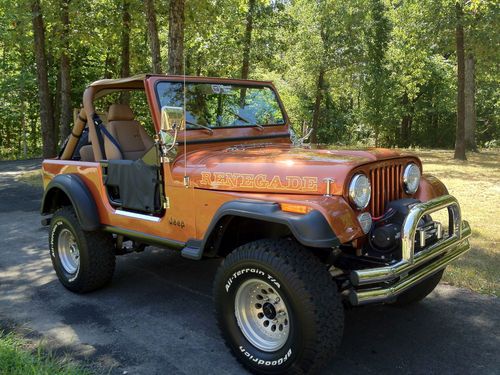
(278, 308)
(83, 261)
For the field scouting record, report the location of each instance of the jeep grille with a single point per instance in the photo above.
(386, 186)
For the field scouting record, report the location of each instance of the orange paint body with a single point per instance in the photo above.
(243, 163)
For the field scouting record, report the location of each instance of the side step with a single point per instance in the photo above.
(192, 250)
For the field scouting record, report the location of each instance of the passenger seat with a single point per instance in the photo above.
(130, 135)
(86, 153)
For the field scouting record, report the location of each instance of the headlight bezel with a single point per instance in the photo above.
(407, 175)
(353, 191)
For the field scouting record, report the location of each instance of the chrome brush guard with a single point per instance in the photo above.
(383, 284)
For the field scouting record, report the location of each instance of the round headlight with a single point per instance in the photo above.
(360, 191)
(411, 178)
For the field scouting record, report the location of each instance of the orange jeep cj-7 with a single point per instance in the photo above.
(213, 169)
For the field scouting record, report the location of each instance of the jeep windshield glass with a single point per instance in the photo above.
(217, 106)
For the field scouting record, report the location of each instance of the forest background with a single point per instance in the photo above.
(388, 73)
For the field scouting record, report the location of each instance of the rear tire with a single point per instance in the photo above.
(83, 261)
(420, 291)
(278, 308)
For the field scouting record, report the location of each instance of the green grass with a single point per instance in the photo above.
(476, 185)
(17, 358)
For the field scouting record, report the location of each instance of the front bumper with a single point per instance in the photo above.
(384, 284)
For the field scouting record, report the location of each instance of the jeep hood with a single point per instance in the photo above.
(276, 168)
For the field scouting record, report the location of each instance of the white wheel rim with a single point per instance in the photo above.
(262, 315)
(67, 248)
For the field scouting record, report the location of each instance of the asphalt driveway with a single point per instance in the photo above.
(156, 317)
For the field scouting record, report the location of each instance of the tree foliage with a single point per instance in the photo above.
(368, 72)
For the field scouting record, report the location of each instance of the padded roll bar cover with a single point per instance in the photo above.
(75, 134)
(310, 229)
(88, 105)
(78, 194)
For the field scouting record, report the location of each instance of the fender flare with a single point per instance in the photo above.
(430, 187)
(79, 195)
(311, 229)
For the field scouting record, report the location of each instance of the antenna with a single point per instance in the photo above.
(186, 177)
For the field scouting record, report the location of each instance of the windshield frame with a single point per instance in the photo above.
(235, 82)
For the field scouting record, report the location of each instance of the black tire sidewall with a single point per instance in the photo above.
(60, 222)
(226, 289)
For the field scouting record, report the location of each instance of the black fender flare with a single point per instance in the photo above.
(79, 195)
(311, 229)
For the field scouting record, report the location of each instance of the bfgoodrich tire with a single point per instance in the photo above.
(83, 261)
(278, 308)
(419, 291)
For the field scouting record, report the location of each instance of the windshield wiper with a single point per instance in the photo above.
(260, 127)
(200, 126)
(241, 117)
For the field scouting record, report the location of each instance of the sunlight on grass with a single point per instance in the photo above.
(476, 185)
(16, 358)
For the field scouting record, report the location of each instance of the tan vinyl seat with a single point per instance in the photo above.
(130, 135)
(86, 153)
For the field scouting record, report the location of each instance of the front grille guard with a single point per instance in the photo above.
(451, 246)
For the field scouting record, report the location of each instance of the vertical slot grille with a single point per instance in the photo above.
(386, 187)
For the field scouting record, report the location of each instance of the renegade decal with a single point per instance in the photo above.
(259, 181)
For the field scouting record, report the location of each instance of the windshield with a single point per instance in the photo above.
(217, 105)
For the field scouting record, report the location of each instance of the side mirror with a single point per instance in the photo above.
(172, 121)
(172, 118)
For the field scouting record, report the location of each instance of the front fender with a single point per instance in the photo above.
(310, 229)
(70, 187)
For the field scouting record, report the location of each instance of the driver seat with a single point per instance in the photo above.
(130, 135)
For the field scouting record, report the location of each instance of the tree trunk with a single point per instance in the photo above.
(46, 114)
(154, 41)
(23, 126)
(460, 133)
(317, 106)
(56, 104)
(65, 68)
(176, 37)
(405, 122)
(470, 104)
(247, 40)
(247, 46)
(125, 43)
(109, 64)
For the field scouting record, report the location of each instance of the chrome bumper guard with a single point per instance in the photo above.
(383, 284)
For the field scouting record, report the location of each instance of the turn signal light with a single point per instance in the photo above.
(295, 208)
